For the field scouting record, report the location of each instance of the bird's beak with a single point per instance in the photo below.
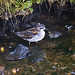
(46, 29)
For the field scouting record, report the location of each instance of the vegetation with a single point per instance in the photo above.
(12, 8)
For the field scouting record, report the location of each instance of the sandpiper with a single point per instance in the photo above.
(33, 34)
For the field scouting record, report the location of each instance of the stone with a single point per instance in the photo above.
(20, 52)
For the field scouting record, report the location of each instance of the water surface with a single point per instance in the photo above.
(50, 56)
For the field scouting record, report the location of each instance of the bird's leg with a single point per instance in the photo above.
(29, 43)
(36, 42)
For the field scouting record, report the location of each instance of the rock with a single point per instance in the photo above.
(20, 52)
(69, 27)
(54, 34)
(54, 67)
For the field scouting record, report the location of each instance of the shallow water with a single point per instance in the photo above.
(50, 56)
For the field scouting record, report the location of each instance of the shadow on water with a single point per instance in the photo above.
(50, 56)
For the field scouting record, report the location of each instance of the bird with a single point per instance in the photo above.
(33, 34)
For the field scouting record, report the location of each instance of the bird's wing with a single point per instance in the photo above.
(29, 33)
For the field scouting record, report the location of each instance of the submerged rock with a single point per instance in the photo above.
(38, 54)
(54, 34)
(20, 52)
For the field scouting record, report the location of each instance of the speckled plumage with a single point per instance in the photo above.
(33, 34)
